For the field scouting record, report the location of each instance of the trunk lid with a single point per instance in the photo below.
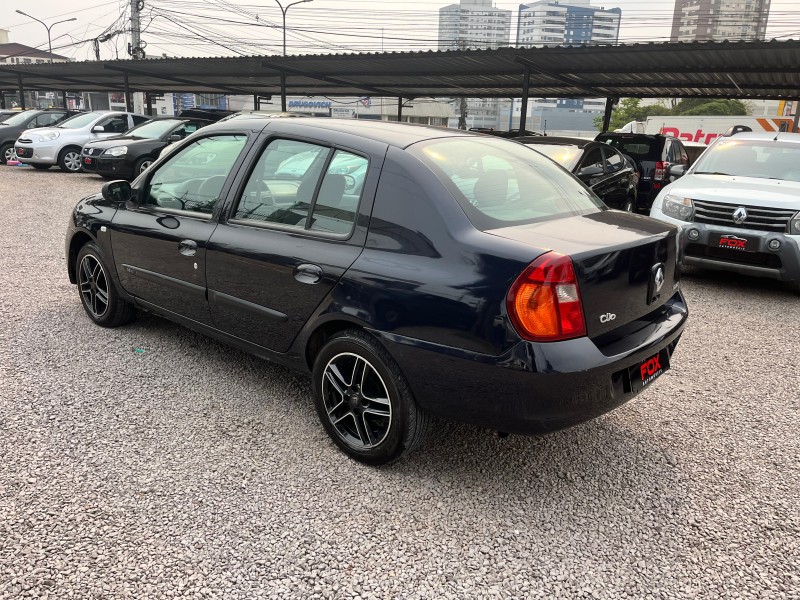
(619, 258)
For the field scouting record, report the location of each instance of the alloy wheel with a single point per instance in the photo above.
(10, 154)
(93, 285)
(145, 164)
(357, 401)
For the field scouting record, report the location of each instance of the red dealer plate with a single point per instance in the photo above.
(650, 369)
(733, 242)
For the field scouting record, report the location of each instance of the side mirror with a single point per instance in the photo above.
(590, 171)
(174, 138)
(118, 191)
(98, 129)
(677, 170)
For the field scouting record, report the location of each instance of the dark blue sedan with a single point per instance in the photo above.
(411, 271)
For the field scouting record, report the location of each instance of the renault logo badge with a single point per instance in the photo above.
(739, 215)
(658, 279)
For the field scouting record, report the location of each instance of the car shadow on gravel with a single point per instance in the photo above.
(735, 280)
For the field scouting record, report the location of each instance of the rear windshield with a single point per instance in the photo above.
(153, 129)
(638, 147)
(765, 159)
(500, 183)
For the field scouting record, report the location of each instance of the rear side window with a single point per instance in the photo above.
(304, 186)
(500, 182)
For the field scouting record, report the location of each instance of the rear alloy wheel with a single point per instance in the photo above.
(141, 166)
(98, 295)
(364, 401)
(7, 153)
(69, 160)
(628, 206)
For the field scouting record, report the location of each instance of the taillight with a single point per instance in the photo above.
(660, 171)
(544, 303)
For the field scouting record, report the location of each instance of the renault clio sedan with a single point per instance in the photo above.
(739, 206)
(61, 145)
(460, 276)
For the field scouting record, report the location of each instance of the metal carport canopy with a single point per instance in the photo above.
(678, 69)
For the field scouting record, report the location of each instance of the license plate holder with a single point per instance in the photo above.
(734, 243)
(648, 370)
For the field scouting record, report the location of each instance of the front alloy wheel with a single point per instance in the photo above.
(99, 297)
(364, 401)
(93, 286)
(8, 153)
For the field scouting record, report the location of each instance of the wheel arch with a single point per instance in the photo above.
(78, 241)
(322, 333)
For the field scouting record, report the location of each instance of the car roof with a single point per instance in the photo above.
(388, 132)
(555, 141)
(781, 136)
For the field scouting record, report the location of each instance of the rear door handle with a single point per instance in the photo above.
(187, 247)
(308, 273)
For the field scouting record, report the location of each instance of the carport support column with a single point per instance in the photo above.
(2, 99)
(283, 92)
(399, 109)
(21, 92)
(128, 98)
(64, 98)
(796, 115)
(149, 100)
(256, 102)
(523, 109)
(610, 102)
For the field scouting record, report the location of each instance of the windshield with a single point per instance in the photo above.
(19, 118)
(78, 121)
(566, 156)
(500, 182)
(154, 129)
(765, 159)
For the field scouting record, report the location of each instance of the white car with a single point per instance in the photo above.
(738, 206)
(61, 145)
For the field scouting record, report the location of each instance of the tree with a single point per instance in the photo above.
(630, 109)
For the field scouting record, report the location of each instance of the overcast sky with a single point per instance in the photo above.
(247, 27)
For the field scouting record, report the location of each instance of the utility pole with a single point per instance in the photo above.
(48, 27)
(136, 51)
(284, 10)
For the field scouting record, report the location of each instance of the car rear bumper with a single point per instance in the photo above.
(536, 388)
(700, 247)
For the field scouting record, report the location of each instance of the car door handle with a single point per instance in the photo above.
(308, 273)
(187, 247)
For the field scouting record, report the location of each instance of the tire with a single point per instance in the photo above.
(99, 297)
(364, 402)
(69, 159)
(7, 153)
(629, 206)
(41, 167)
(142, 165)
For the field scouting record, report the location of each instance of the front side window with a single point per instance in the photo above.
(500, 183)
(304, 186)
(193, 177)
(117, 124)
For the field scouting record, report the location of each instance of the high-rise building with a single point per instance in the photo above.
(719, 20)
(550, 22)
(473, 24)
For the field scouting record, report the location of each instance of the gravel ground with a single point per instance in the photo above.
(151, 462)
